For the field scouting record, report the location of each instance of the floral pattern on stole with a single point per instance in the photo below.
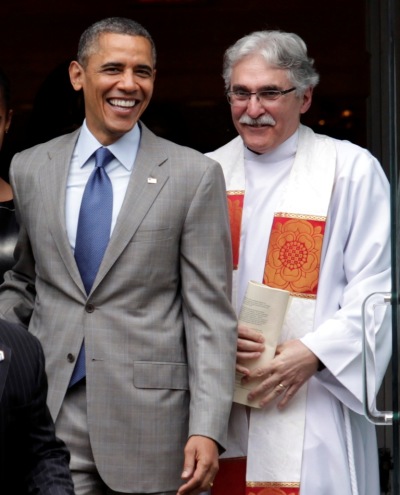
(294, 254)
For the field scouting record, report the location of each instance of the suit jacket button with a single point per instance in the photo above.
(71, 358)
(89, 308)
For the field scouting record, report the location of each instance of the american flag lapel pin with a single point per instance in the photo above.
(151, 180)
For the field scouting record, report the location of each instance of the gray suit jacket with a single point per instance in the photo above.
(159, 330)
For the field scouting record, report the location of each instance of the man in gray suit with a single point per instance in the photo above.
(148, 410)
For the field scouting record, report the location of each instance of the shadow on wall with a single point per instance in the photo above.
(57, 109)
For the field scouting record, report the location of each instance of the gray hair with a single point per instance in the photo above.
(282, 50)
(115, 25)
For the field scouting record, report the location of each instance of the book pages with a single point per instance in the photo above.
(263, 310)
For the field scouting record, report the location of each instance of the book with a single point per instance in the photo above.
(263, 309)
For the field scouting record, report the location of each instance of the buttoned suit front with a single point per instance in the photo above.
(159, 331)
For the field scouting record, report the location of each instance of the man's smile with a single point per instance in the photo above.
(122, 103)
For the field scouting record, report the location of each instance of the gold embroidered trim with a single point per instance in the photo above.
(235, 193)
(303, 296)
(284, 484)
(299, 216)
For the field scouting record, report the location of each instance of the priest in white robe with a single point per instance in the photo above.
(309, 214)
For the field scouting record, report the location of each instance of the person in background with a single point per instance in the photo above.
(32, 460)
(310, 215)
(123, 272)
(8, 224)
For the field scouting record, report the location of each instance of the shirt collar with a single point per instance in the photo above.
(124, 150)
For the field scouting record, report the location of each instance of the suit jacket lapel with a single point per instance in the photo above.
(53, 182)
(149, 175)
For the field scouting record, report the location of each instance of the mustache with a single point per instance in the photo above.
(262, 120)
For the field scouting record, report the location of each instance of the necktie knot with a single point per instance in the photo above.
(103, 156)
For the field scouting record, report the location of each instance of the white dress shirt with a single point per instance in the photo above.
(82, 164)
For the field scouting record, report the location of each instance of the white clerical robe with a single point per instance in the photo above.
(340, 449)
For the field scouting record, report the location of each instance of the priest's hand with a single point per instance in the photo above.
(200, 465)
(291, 367)
(250, 346)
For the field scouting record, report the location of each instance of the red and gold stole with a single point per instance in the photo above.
(235, 208)
(293, 262)
(294, 253)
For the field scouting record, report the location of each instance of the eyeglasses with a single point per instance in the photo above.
(241, 98)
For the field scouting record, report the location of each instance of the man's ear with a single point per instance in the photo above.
(76, 75)
(307, 99)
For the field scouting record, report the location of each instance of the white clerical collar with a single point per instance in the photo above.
(124, 150)
(284, 151)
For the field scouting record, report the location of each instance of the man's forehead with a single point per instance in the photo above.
(256, 69)
(111, 41)
(111, 45)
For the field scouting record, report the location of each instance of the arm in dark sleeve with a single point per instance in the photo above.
(49, 466)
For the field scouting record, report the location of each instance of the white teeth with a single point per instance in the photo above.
(123, 103)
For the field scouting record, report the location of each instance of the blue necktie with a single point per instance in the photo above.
(93, 233)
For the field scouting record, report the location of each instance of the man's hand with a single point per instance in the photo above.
(291, 367)
(250, 345)
(200, 465)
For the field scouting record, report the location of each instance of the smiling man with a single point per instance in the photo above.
(309, 214)
(114, 226)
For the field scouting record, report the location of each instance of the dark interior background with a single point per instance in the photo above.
(39, 38)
